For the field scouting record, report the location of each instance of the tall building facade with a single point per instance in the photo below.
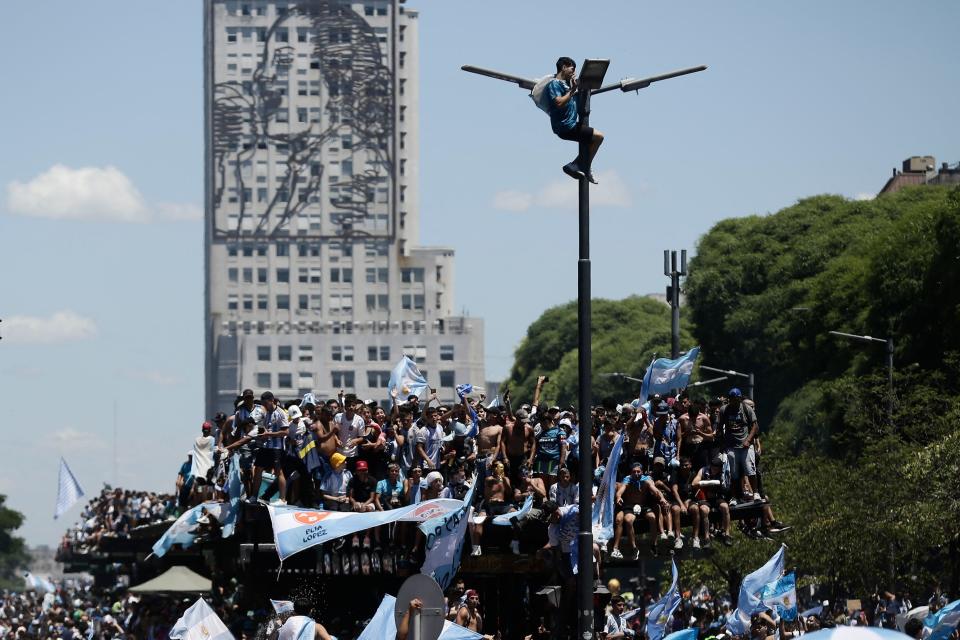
(314, 277)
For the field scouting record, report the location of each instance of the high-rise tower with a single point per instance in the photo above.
(314, 279)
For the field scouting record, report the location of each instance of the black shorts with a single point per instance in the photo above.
(498, 508)
(579, 133)
(268, 458)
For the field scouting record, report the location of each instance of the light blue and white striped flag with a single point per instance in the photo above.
(36, 583)
(504, 519)
(603, 507)
(200, 622)
(945, 621)
(749, 602)
(664, 374)
(781, 597)
(660, 613)
(235, 493)
(68, 491)
(282, 606)
(407, 379)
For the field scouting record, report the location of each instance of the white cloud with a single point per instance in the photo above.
(62, 326)
(611, 191)
(865, 196)
(90, 193)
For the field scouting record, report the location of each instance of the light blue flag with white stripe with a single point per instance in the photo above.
(603, 504)
(36, 583)
(664, 374)
(749, 602)
(945, 621)
(182, 532)
(683, 634)
(200, 622)
(445, 536)
(407, 379)
(781, 597)
(659, 614)
(235, 492)
(504, 519)
(68, 490)
(282, 606)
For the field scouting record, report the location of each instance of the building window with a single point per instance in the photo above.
(418, 302)
(381, 353)
(303, 302)
(406, 301)
(447, 379)
(247, 250)
(411, 275)
(302, 275)
(248, 302)
(263, 380)
(378, 379)
(285, 352)
(262, 250)
(283, 249)
(305, 352)
(232, 274)
(342, 353)
(305, 380)
(283, 275)
(262, 302)
(232, 250)
(232, 301)
(342, 379)
(248, 276)
(446, 352)
(283, 302)
(263, 353)
(262, 276)
(315, 275)
(285, 380)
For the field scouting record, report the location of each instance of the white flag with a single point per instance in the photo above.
(68, 492)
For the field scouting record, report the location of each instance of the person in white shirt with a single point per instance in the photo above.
(616, 625)
(564, 492)
(429, 441)
(350, 427)
(334, 487)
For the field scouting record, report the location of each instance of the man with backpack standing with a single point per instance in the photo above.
(739, 424)
(558, 97)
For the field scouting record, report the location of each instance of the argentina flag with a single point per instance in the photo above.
(749, 601)
(945, 621)
(407, 379)
(36, 583)
(200, 622)
(781, 597)
(659, 614)
(68, 490)
(665, 374)
(603, 508)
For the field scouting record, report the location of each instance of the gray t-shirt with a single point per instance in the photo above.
(737, 424)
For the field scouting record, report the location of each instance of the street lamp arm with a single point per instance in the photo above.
(729, 372)
(701, 383)
(523, 83)
(854, 336)
(635, 84)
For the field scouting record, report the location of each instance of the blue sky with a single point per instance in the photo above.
(102, 300)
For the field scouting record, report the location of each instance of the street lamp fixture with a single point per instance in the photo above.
(734, 374)
(889, 343)
(592, 72)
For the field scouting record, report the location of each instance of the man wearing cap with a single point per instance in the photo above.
(272, 428)
(739, 424)
(362, 488)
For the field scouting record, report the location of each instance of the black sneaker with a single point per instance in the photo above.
(589, 176)
(778, 527)
(726, 539)
(572, 170)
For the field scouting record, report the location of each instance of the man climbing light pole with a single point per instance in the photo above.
(590, 81)
(566, 122)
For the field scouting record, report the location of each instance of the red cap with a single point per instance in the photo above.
(361, 465)
(470, 593)
(206, 426)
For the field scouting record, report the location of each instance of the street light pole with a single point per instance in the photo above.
(889, 344)
(673, 295)
(730, 372)
(591, 79)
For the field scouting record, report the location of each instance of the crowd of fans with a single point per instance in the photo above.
(112, 514)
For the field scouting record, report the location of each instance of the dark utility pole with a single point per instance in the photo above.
(673, 295)
(889, 344)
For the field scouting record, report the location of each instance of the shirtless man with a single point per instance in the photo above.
(518, 440)
(490, 438)
(639, 436)
(496, 490)
(468, 616)
(696, 433)
(637, 490)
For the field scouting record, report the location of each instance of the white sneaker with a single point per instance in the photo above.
(663, 536)
(616, 555)
(670, 534)
(635, 555)
(476, 551)
(515, 547)
(679, 543)
(696, 543)
(279, 501)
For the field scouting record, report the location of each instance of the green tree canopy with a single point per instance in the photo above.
(13, 554)
(625, 333)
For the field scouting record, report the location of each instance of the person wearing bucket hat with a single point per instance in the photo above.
(334, 487)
